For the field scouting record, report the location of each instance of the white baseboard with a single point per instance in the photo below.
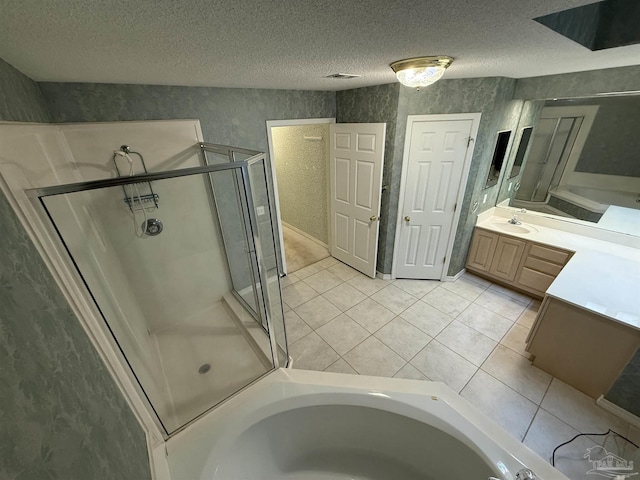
(383, 276)
(306, 235)
(453, 278)
(618, 411)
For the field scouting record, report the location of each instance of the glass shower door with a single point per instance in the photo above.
(164, 294)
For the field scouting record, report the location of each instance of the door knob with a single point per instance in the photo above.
(407, 218)
(373, 218)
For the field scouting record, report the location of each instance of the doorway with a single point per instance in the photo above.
(437, 156)
(299, 152)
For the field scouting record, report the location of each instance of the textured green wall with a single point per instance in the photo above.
(20, 97)
(378, 104)
(61, 414)
(303, 168)
(229, 116)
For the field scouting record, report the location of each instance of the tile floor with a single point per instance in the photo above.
(469, 334)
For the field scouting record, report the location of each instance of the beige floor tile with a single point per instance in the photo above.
(312, 353)
(528, 317)
(515, 339)
(296, 327)
(367, 285)
(465, 288)
(344, 296)
(501, 304)
(475, 278)
(485, 321)
(403, 338)
(440, 364)
(410, 372)
(521, 297)
(546, 433)
(578, 410)
(517, 372)
(317, 311)
(427, 318)
(289, 279)
(308, 271)
(504, 405)
(340, 366)
(322, 281)
(342, 334)
(370, 314)
(394, 299)
(328, 262)
(447, 302)
(297, 294)
(466, 342)
(372, 357)
(417, 288)
(342, 271)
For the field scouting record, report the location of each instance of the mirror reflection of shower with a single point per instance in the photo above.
(134, 199)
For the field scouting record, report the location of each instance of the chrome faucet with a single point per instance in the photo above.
(514, 220)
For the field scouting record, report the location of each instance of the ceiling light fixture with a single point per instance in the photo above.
(421, 71)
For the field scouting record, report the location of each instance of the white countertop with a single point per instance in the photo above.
(621, 219)
(602, 276)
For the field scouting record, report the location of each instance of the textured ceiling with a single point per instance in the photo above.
(286, 44)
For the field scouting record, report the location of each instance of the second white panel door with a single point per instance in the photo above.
(436, 161)
(355, 176)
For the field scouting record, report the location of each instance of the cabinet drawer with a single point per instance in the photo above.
(542, 266)
(551, 254)
(536, 280)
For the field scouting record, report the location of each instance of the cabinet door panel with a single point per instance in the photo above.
(536, 280)
(482, 250)
(551, 254)
(542, 266)
(507, 257)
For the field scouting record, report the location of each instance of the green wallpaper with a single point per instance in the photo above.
(303, 168)
(61, 414)
(20, 97)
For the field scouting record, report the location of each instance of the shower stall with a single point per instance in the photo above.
(182, 266)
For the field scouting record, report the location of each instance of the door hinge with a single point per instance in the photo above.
(455, 207)
(444, 259)
(470, 140)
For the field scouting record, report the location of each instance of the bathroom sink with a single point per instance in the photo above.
(507, 227)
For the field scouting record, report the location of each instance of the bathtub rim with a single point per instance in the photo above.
(199, 443)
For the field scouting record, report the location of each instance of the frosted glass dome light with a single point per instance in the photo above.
(421, 71)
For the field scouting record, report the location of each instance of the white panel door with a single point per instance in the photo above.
(436, 159)
(355, 178)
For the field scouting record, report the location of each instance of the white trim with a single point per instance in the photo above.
(453, 278)
(618, 411)
(411, 119)
(304, 234)
(274, 180)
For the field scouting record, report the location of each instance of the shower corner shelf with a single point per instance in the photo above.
(136, 203)
(137, 200)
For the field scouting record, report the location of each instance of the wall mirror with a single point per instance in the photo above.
(499, 154)
(523, 147)
(579, 157)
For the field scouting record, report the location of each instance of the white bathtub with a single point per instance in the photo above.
(594, 199)
(318, 425)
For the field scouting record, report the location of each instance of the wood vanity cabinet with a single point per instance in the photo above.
(518, 263)
(580, 347)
